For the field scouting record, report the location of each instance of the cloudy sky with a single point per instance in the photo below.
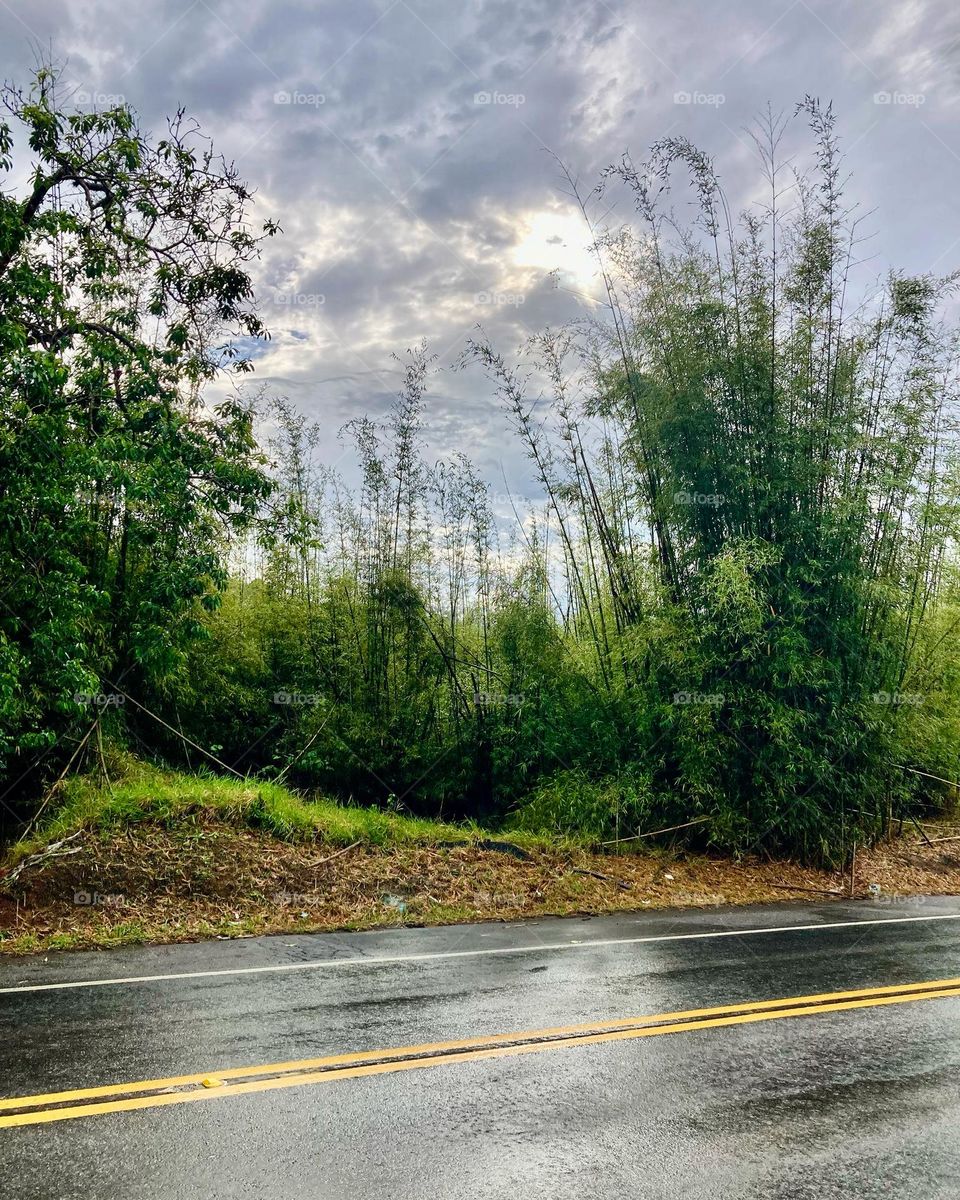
(408, 149)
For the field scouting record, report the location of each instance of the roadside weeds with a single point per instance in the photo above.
(159, 884)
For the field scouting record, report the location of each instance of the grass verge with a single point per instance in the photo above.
(155, 856)
(138, 793)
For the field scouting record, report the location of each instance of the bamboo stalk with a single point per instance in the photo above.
(656, 832)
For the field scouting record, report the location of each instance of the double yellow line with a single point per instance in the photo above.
(184, 1089)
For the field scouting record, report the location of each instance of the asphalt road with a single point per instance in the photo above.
(848, 1097)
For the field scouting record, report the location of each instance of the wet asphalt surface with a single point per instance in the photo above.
(862, 1103)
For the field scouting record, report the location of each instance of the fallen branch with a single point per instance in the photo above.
(52, 851)
(939, 841)
(796, 887)
(183, 736)
(657, 832)
(922, 831)
(331, 857)
(621, 883)
(926, 774)
(46, 800)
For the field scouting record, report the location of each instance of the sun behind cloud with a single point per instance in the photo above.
(558, 240)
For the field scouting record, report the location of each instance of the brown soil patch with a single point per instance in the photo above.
(153, 884)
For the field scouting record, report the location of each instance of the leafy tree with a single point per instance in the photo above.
(123, 288)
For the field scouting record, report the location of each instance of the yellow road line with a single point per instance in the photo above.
(359, 1057)
(351, 1066)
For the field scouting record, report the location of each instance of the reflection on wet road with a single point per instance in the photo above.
(814, 1051)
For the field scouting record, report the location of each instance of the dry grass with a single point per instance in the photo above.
(153, 882)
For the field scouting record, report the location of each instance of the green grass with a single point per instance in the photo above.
(138, 793)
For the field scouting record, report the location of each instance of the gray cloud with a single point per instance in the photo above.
(411, 164)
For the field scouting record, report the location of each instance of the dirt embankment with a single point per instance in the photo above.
(149, 883)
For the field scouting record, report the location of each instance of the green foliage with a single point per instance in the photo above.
(735, 610)
(139, 793)
(570, 802)
(743, 562)
(763, 474)
(121, 272)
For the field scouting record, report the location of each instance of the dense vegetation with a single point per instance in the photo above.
(121, 272)
(735, 608)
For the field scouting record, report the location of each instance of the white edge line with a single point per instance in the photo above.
(375, 961)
